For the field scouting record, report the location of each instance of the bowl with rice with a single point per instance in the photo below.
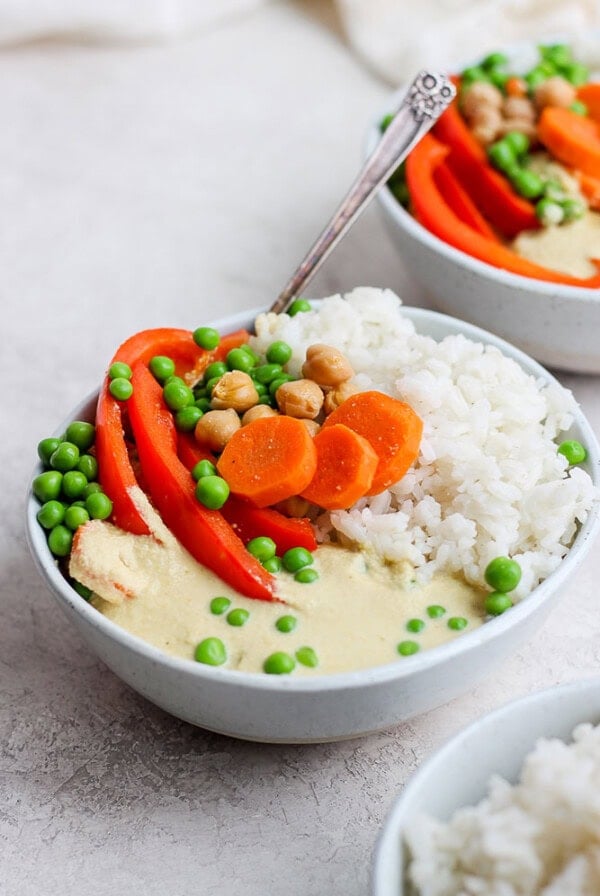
(399, 613)
(518, 816)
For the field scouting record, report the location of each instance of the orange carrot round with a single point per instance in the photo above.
(573, 139)
(390, 426)
(269, 460)
(346, 465)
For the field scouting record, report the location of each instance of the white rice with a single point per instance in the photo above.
(488, 480)
(540, 837)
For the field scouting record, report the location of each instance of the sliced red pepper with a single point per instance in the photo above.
(506, 211)
(249, 521)
(204, 533)
(460, 202)
(116, 472)
(436, 216)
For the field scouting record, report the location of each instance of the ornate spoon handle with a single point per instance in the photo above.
(425, 100)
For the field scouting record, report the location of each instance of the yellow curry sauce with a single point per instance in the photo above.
(353, 617)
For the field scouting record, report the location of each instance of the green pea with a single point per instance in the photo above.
(534, 78)
(576, 73)
(559, 54)
(211, 383)
(98, 505)
(47, 486)
(434, 611)
(528, 184)
(120, 388)
(503, 574)
(279, 663)
(497, 603)
(498, 78)
(65, 457)
(549, 212)
(186, 418)
(46, 449)
(279, 353)
(238, 617)
(261, 390)
(60, 540)
(573, 450)
(573, 209)
(415, 626)
(306, 576)
(273, 564)
(401, 192)
(203, 468)
(212, 492)
(386, 122)
(51, 514)
(250, 351)
(262, 547)
(173, 378)
(266, 399)
(408, 648)
(75, 517)
(177, 395)
(298, 306)
(266, 373)
(238, 359)
(579, 108)
(79, 503)
(92, 488)
(211, 652)
(306, 656)
(162, 367)
(517, 141)
(219, 605)
(81, 589)
(554, 190)
(502, 155)
(494, 60)
(275, 384)
(88, 465)
(81, 434)
(474, 73)
(206, 338)
(203, 404)
(73, 484)
(119, 370)
(216, 369)
(286, 624)
(297, 558)
(457, 623)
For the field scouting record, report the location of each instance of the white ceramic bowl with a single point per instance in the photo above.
(556, 324)
(495, 744)
(297, 710)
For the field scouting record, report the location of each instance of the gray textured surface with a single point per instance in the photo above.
(130, 198)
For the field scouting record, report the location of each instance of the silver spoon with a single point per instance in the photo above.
(425, 100)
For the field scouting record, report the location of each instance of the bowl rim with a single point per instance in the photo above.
(360, 678)
(389, 835)
(420, 233)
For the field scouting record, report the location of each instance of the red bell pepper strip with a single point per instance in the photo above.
(249, 521)
(204, 533)
(460, 202)
(436, 216)
(506, 211)
(116, 472)
(571, 138)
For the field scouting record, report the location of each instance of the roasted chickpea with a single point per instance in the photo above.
(480, 96)
(259, 410)
(522, 125)
(215, 428)
(300, 398)
(327, 366)
(234, 390)
(486, 126)
(335, 397)
(556, 91)
(312, 426)
(518, 107)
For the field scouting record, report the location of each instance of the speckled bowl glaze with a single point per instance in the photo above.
(303, 710)
(496, 744)
(556, 324)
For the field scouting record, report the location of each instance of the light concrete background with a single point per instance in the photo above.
(162, 186)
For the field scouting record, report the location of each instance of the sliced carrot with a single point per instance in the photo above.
(571, 138)
(346, 465)
(516, 87)
(590, 95)
(390, 426)
(590, 187)
(460, 202)
(269, 460)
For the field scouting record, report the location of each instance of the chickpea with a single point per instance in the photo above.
(215, 428)
(300, 398)
(335, 397)
(518, 107)
(312, 426)
(326, 366)
(523, 125)
(480, 96)
(259, 410)
(555, 91)
(486, 126)
(234, 390)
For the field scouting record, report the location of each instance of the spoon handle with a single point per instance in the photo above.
(425, 100)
